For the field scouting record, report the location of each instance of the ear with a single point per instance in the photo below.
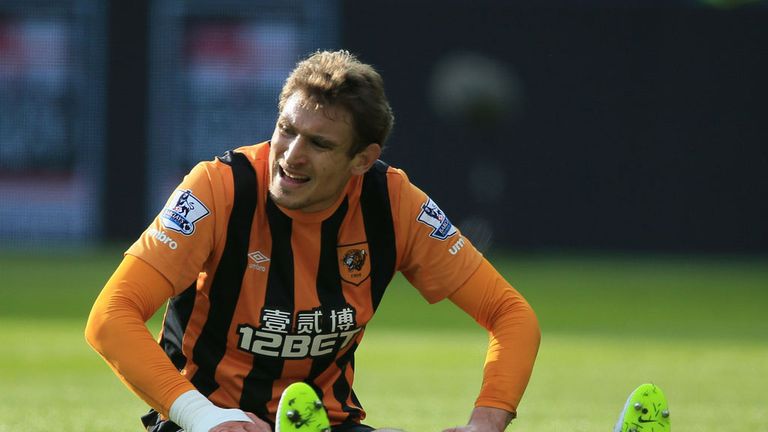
(364, 160)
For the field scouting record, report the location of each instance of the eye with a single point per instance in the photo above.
(321, 144)
(285, 129)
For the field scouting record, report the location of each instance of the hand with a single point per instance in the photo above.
(258, 425)
(485, 419)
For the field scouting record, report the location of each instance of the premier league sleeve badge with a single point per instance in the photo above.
(433, 217)
(182, 212)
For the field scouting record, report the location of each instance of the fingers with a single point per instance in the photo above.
(240, 427)
(258, 425)
(253, 417)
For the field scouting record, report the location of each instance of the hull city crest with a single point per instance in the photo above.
(354, 263)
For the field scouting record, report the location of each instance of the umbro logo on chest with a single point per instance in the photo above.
(258, 261)
(354, 265)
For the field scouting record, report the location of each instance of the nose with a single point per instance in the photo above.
(295, 152)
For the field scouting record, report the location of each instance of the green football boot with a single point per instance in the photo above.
(646, 410)
(300, 410)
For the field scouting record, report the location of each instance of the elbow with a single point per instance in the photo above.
(95, 330)
(515, 314)
(535, 329)
(530, 321)
(102, 329)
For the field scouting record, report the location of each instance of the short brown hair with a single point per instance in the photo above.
(338, 78)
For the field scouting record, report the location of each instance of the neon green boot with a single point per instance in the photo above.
(300, 410)
(646, 410)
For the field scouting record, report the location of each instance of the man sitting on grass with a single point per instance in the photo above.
(279, 259)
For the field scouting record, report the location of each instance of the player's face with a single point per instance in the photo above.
(309, 156)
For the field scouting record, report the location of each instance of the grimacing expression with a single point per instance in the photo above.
(309, 155)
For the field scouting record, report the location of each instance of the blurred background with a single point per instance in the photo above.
(609, 156)
(576, 125)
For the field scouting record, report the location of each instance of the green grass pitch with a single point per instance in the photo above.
(695, 326)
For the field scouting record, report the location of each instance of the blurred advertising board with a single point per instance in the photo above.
(216, 73)
(51, 108)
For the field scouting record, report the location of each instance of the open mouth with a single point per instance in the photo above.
(289, 177)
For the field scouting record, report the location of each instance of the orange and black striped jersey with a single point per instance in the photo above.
(268, 296)
(264, 296)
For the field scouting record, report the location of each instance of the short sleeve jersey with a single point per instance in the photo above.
(266, 296)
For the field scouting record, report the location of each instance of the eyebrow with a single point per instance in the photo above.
(285, 122)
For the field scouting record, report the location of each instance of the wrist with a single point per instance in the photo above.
(195, 413)
(489, 418)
